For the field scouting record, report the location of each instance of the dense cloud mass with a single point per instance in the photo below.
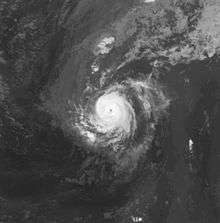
(121, 119)
(109, 111)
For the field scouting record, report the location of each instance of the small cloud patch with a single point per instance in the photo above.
(146, 1)
(105, 45)
(137, 219)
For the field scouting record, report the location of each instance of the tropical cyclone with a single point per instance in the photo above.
(71, 72)
(112, 108)
(115, 115)
(83, 97)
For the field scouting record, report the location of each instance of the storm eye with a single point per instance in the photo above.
(113, 111)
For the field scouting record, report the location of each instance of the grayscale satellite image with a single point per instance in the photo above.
(109, 111)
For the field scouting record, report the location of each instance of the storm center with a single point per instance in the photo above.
(113, 112)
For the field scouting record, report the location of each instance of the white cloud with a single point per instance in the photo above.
(146, 1)
(105, 45)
